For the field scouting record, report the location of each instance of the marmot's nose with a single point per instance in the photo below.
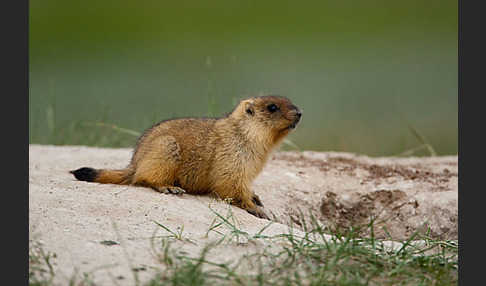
(298, 113)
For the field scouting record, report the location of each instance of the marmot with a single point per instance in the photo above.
(221, 156)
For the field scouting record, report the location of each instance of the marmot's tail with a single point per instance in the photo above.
(120, 177)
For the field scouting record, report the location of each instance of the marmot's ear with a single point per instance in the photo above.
(249, 108)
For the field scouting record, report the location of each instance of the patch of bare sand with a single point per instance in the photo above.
(73, 218)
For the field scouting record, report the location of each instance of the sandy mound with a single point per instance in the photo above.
(76, 220)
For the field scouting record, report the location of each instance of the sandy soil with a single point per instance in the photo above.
(73, 218)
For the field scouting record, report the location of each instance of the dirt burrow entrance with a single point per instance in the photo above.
(400, 195)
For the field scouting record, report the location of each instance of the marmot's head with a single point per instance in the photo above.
(268, 116)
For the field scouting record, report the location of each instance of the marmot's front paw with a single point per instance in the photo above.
(257, 200)
(259, 212)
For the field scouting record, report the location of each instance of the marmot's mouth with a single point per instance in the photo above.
(297, 120)
(293, 124)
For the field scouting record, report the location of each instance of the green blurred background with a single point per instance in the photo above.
(372, 77)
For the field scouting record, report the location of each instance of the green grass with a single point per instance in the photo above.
(316, 258)
(41, 268)
(41, 271)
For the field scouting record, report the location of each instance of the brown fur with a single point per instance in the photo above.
(220, 156)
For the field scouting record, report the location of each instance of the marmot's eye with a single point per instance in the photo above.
(272, 108)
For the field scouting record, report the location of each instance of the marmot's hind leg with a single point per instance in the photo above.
(170, 190)
(157, 166)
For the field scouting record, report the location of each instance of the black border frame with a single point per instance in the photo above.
(14, 20)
